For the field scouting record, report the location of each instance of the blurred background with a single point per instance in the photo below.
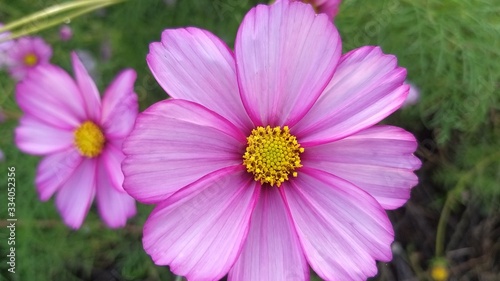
(451, 49)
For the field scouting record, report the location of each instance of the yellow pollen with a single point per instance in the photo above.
(30, 59)
(272, 154)
(89, 139)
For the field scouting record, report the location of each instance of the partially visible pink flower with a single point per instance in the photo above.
(89, 62)
(413, 95)
(65, 33)
(80, 136)
(268, 159)
(4, 47)
(328, 7)
(2, 157)
(106, 49)
(26, 54)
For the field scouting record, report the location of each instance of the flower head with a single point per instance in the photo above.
(266, 159)
(26, 54)
(80, 136)
(4, 47)
(65, 33)
(413, 95)
(328, 7)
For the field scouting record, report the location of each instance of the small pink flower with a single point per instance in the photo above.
(65, 33)
(26, 54)
(268, 159)
(413, 96)
(328, 7)
(4, 47)
(80, 137)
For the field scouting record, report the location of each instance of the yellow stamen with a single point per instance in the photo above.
(89, 139)
(30, 59)
(272, 154)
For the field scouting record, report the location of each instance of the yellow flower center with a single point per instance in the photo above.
(272, 154)
(89, 139)
(439, 273)
(30, 59)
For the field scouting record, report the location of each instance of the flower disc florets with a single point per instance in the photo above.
(30, 59)
(89, 139)
(272, 154)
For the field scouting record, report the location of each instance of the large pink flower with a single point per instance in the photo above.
(81, 137)
(27, 53)
(267, 159)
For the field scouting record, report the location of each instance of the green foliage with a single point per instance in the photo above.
(449, 49)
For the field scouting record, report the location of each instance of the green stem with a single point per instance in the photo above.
(59, 20)
(87, 5)
(59, 8)
(443, 219)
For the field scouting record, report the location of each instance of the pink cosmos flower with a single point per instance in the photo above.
(329, 7)
(26, 54)
(81, 138)
(413, 96)
(65, 33)
(4, 47)
(266, 159)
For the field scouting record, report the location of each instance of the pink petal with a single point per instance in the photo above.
(88, 89)
(195, 65)
(378, 160)
(200, 235)
(343, 230)
(120, 105)
(54, 170)
(329, 7)
(173, 144)
(112, 158)
(286, 55)
(115, 207)
(272, 250)
(366, 88)
(36, 137)
(52, 96)
(76, 195)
